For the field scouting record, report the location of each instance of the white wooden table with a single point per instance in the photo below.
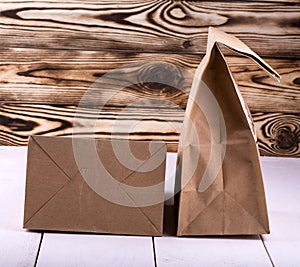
(22, 248)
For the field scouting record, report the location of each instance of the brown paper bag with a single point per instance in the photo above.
(218, 160)
(67, 191)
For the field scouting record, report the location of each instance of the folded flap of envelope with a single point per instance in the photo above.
(60, 198)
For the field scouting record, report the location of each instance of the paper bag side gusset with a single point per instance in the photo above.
(234, 203)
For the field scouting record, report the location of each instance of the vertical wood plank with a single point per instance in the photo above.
(283, 199)
(17, 246)
(68, 250)
(213, 251)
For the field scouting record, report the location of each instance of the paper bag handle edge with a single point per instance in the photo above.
(233, 43)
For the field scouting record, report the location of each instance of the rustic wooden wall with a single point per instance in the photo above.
(52, 51)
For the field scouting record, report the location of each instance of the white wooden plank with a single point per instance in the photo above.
(170, 178)
(282, 183)
(95, 250)
(17, 246)
(213, 251)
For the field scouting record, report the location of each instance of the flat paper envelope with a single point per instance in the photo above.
(59, 198)
(220, 171)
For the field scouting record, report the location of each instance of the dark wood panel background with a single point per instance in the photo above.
(51, 52)
(152, 25)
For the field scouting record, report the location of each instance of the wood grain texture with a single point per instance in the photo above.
(149, 26)
(41, 88)
(62, 77)
(278, 133)
(51, 52)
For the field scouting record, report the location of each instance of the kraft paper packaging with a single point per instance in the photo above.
(62, 189)
(218, 161)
